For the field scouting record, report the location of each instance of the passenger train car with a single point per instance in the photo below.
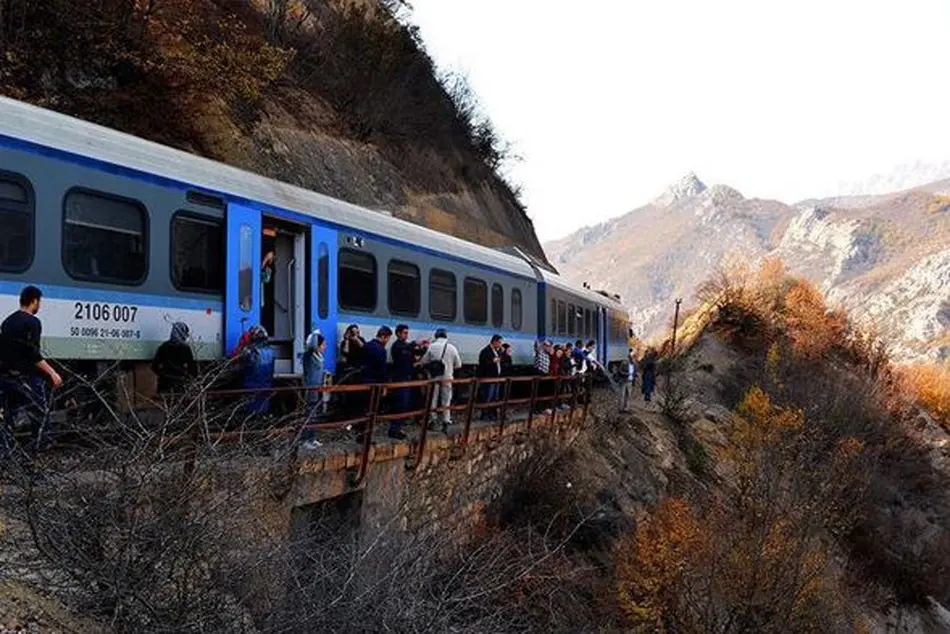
(125, 237)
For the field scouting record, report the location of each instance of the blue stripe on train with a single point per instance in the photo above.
(80, 293)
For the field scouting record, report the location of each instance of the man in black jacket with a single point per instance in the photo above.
(23, 370)
(489, 367)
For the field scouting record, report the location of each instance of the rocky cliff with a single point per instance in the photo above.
(884, 258)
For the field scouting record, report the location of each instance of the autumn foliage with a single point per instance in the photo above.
(930, 385)
(765, 307)
(758, 557)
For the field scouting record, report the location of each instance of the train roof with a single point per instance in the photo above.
(36, 125)
(555, 280)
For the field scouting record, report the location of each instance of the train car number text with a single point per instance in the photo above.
(87, 311)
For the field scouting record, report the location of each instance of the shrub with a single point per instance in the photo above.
(813, 329)
(930, 385)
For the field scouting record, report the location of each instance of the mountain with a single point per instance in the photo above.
(336, 96)
(885, 258)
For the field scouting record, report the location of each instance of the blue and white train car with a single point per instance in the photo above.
(125, 237)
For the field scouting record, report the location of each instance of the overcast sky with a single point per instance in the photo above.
(609, 101)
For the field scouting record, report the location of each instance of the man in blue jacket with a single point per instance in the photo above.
(374, 362)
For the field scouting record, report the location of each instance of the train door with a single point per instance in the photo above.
(242, 293)
(284, 292)
(323, 280)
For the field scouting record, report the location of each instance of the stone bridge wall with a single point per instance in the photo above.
(451, 481)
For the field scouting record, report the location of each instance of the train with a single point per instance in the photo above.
(125, 237)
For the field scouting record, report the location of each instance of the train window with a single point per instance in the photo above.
(104, 237)
(516, 316)
(404, 288)
(16, 218)
(196, 247)
(571, 318)
(597, 325)
(588, 331)
(357, 280)
(497, 305)
(245, 270)
(561, 318)
(323, 281)
(475, 297)
(553, 317)
(443, 295)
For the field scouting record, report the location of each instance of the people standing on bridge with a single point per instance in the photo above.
(579, 357)
(648, 368)
(449, 360)
(23, 370)
(174, 363)
(630, 380)
(567, 363)
(404, 360)
(349, 363)
(350, 359)
(567, 370)
(507, 362)
(257, 370)
(489, 367)
(314, 377)
(543, 351)
(374, 371)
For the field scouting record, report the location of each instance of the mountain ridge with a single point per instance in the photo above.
(885, 258)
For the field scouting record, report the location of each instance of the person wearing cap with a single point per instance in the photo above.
(489, 367)
(448, 354)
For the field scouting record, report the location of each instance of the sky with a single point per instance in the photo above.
(610, 101)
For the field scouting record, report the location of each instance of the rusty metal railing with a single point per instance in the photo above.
(368, 400)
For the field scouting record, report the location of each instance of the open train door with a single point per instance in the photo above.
(602, 335)
(242, 288)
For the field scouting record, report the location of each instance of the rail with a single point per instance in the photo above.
(573, 392)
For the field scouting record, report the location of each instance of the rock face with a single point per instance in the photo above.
(884, 258)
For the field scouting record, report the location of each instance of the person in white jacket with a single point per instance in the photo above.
(442, 350)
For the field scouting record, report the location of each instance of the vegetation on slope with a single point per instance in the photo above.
(205, 75)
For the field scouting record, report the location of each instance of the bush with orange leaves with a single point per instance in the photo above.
(758, 559)
(813, 330)
(759, 308)
(930, 386)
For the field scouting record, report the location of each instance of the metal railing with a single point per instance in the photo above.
(573, 392)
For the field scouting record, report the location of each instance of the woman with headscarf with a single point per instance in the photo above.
(257, 369)
(313, 374)
(174, 362)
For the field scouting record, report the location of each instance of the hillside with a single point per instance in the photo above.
(785, 479)
(884, 258)
(332, 95)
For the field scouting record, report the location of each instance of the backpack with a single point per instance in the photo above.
(436, 367)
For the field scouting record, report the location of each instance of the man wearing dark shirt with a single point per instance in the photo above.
(23, 371)
(489, 367)
(403, 353)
